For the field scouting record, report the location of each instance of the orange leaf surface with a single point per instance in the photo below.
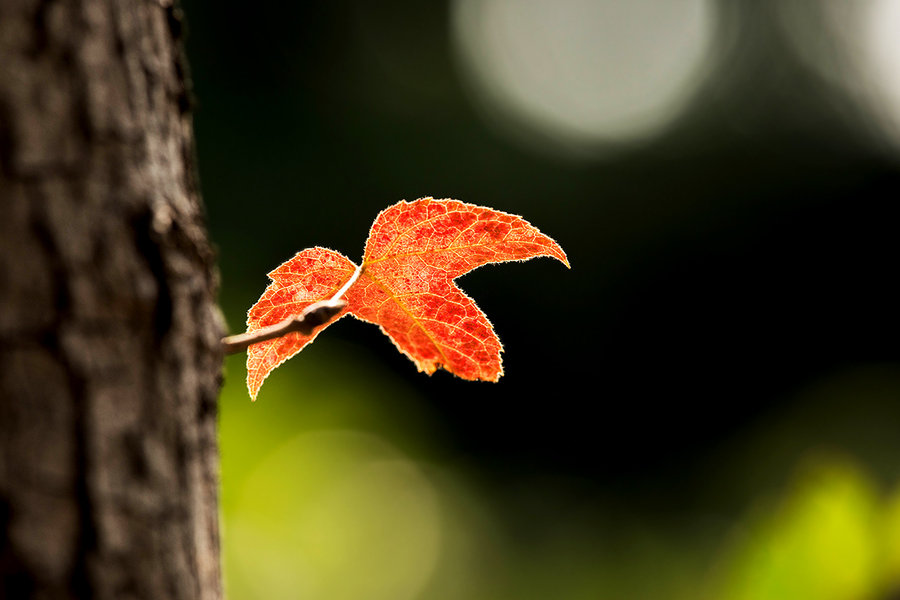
(405, 286)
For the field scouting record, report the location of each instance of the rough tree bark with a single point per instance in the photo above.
(109, 333)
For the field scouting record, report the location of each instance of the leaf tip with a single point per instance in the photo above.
(253, 387)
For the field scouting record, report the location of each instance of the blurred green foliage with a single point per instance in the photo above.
(822, 540)
(334, 486)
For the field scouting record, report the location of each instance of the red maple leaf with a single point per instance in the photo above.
(405, 285)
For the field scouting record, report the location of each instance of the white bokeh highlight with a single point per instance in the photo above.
(583, 75)
(856, 47)
(880, 45)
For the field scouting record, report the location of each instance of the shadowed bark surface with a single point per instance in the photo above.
(109, 333)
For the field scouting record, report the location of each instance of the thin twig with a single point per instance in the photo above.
(314, 315)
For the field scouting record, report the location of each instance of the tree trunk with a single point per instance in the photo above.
(109, 334)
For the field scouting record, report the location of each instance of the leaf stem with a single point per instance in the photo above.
(314, 315)
(340, 293)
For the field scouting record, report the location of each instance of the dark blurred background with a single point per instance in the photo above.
(720, 363)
